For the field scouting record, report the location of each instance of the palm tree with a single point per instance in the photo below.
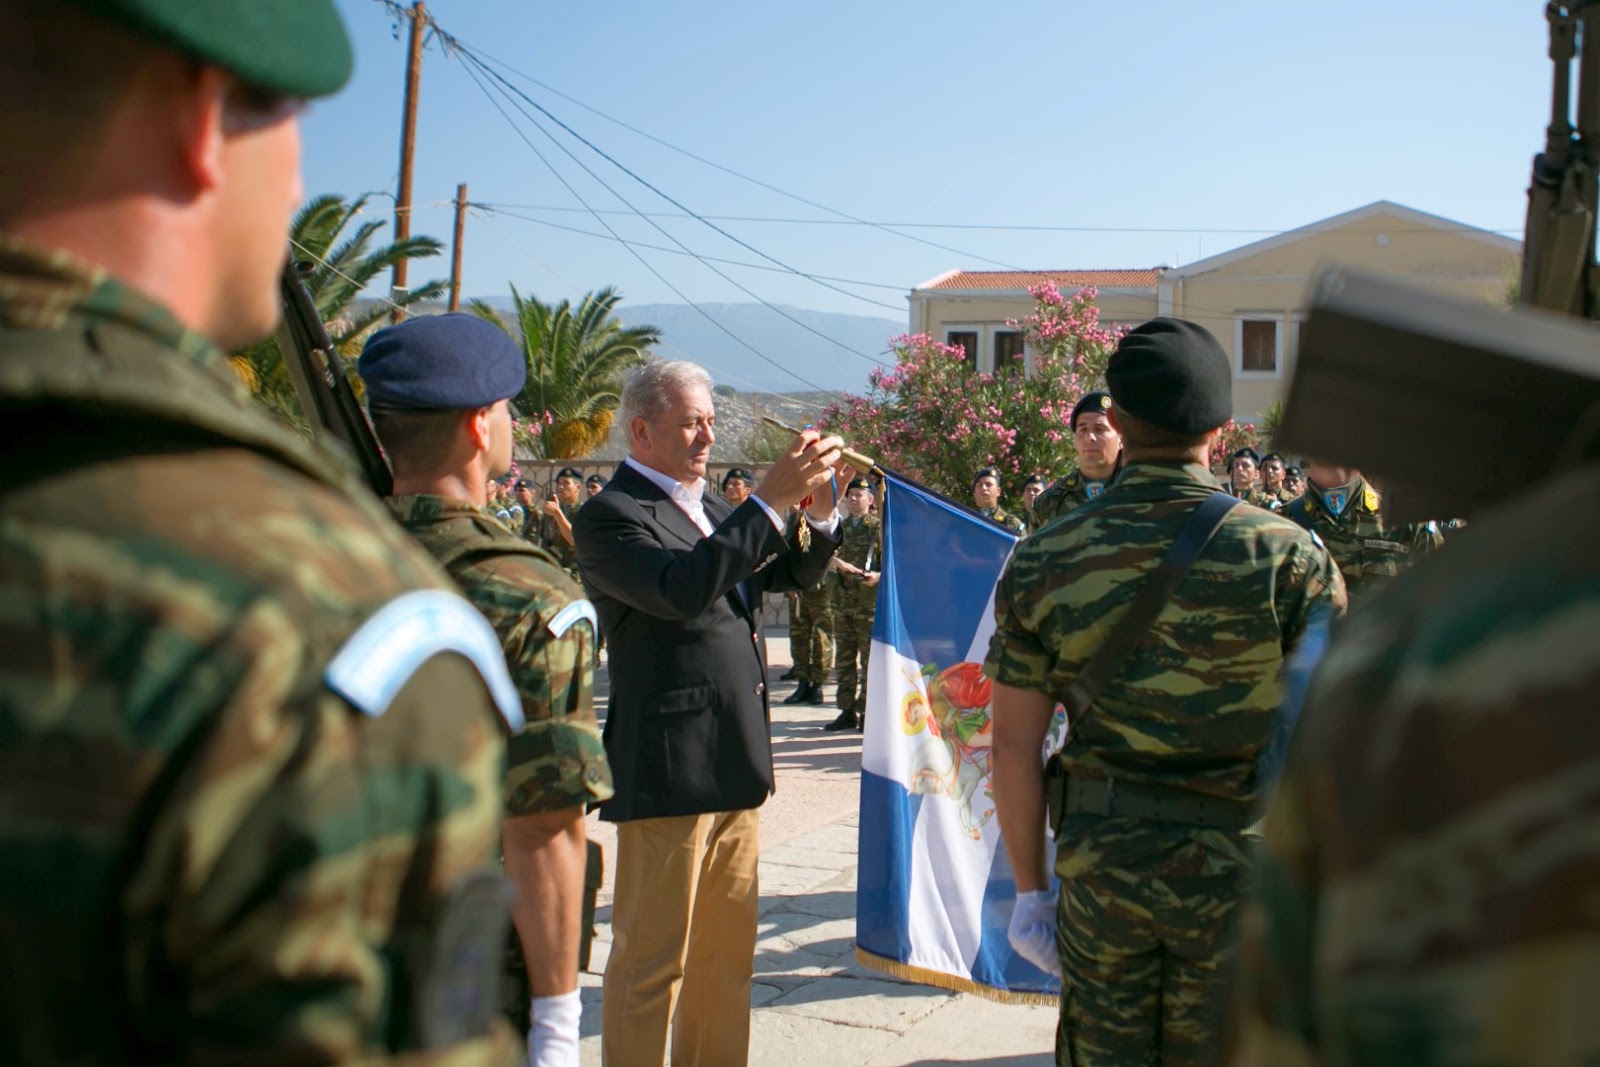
(576, 360)
(343, 266)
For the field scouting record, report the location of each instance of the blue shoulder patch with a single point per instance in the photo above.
(376, 662)
(578, 609)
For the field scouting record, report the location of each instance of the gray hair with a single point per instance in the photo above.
(650, 389)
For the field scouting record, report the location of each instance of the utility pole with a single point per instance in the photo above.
(455, 255)
(408, 146)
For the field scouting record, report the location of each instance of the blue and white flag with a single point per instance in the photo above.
(935, 888)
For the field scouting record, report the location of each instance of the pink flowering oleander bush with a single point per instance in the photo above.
(1234, 437)
(932, 418)
(528, 434)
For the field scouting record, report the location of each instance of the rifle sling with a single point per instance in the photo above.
(1109, 659)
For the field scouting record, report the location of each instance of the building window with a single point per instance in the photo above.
(967, 341)
(1257, 345)
(1007, 349)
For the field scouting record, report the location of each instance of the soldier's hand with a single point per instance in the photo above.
(870, 579)
(1033, 930)
(552, 506)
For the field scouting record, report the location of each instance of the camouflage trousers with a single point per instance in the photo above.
(1145, 946)
(852, 639)
(810, 635)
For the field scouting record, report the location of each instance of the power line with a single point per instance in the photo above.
(487, 210)
(632, 251)
(720, 273)
(663, 195)
(335, 270)
(1028, 227)
(885, 227)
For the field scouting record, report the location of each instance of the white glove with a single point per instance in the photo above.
(553, 1030)
(1033, 930)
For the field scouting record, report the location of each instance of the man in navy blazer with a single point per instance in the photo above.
(676, 577)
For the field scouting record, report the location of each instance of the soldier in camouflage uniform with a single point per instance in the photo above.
(528, 529)
(810, 628)
(1243, 466)
(737, 485)
(986, 501)
(1152, 852)
(853, 574)
(1033, 486)
(1426, 893)
(1294, 482)
(1272, 494)
(555, 528)
(1342, 508)
(1099, 448)
(250, 746)
(438, 387)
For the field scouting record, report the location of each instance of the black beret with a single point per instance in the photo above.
(987, 472)
(1245, 451)
(1174, 375)
(1275, 455)
(740, 473)
(1096, 403)
(594, 479)
(1032, 479)
(570, 472)
(859, 483)
(522, 483)
(289, 47)
(441, 362)
(1294, 471)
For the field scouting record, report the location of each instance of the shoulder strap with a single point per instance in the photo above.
(1111, 657)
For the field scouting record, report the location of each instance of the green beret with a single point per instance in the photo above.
(293, 48)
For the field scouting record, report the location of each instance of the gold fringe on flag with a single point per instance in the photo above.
(940, 980)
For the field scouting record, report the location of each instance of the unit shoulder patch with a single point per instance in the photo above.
(377, 660)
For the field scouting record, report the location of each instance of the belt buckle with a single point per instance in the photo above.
(1111, 793)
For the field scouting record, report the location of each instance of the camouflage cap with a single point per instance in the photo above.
(292, 47)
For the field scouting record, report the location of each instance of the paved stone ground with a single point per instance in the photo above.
(812, 1003)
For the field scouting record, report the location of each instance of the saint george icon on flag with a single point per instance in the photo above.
(935, 889)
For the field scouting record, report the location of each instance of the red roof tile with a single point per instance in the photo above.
(1064, 279)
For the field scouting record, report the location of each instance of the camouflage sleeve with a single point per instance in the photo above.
(1017, 657)
(1309, 582)
(557, 760)
(1048, 504)
(1272, 1019)
(299, 860)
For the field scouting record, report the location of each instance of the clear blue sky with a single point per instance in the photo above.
(1152, 129)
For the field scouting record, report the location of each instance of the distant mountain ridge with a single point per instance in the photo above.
(686, 334)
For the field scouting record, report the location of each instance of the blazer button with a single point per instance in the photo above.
(761, 687)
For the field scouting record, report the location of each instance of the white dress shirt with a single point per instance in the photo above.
(690, 498)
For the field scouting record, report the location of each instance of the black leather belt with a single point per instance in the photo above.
(1114, 798)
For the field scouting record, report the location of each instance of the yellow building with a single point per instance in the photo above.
(1252, 298)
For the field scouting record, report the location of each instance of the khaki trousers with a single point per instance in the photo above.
(683, 925)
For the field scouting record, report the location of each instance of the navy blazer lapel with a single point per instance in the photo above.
(669, 516)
